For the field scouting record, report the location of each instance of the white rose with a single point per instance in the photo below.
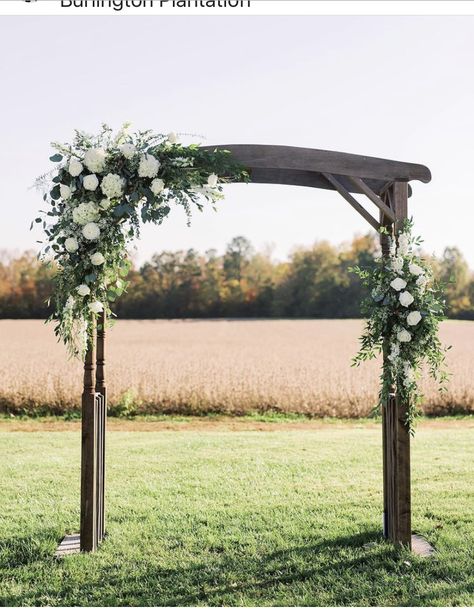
(128, 150)
(95, 160)
(413, 318)
(90, 182)
(397, 264)
(172, 137)
(75, 167)
(83, 290)
(71, 244)
(96, 307)
(398, 284)
(112, 185)
(65, 192)
(157, 186)
(212, 180)
(416, 269)
(84, 213)
(148, 166)
(91, 231)
(406, 299)
(97, 259)
(404, 336)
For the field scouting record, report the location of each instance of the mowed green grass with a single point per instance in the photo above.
(237, 518)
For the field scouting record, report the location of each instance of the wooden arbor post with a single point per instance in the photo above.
(94, 413)
(395, 434)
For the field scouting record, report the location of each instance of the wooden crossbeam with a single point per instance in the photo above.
(352, 201)
(376, 200)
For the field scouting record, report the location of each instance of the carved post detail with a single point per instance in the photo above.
(88, 451)
(395, 435)
(102, 419)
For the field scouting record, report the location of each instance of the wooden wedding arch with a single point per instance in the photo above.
(386, 184)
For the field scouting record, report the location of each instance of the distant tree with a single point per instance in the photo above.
(312, 283)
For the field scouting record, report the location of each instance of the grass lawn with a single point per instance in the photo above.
(222, 517)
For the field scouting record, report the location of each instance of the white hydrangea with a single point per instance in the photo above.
(148, 166)
(94, 160)
(105, 204)
(128, 150)
(83, 290)
(75, 168)
(406, 298)
(157, 186)
(96, 307)
(398, 284)
(408, 372)
(413, 318)
(97, 259)
(85, 212)
(65, 192)
(112, 185)
(71, 244)
(91, 231)
(404, 336)
(91, 182)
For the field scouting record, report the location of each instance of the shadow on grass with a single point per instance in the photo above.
(328, 572)
(18, 551)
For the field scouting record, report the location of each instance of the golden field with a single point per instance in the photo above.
(228, 366)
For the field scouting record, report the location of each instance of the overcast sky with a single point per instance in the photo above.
(394, 87)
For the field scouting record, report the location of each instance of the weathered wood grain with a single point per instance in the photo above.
(301, 166)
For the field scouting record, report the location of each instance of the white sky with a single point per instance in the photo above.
(394, 87)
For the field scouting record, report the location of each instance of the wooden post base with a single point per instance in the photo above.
(69, 545)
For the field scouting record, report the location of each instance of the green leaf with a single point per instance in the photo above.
(56, 158)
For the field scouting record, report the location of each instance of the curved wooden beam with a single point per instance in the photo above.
(301, 166)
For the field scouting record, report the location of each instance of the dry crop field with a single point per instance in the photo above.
(227, 366)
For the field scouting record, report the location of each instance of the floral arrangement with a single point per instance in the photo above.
(102, 188)
(403, 312)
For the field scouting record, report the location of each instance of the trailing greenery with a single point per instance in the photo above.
(403, 311)
(104, 187)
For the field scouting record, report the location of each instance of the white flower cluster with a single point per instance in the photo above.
(112, 185)
(102, 186)
(149, 166)
(85, 212)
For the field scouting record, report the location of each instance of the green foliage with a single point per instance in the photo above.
(127, 406)
(403, 310)
(103, 189)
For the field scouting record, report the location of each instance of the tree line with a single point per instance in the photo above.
(314, 282)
